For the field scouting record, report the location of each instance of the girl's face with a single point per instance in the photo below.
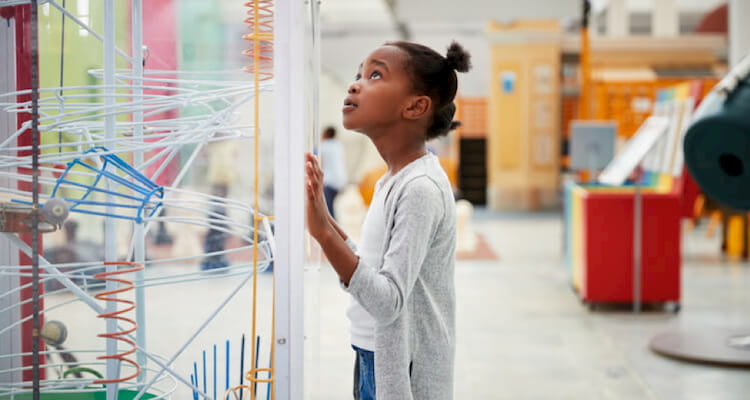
(379, 91)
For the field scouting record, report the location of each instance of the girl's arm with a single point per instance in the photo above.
(339, 254)
(347, 240)
(337, 228)
(323, 228)
(383, 291)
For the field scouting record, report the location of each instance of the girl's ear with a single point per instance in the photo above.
(417, 107)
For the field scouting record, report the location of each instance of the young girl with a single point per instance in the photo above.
(401, 277)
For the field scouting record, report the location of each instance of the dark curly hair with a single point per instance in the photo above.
(435, 76)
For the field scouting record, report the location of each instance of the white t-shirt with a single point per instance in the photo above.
(332, 160)
(370, 249)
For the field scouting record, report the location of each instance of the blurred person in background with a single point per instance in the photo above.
(332, 160)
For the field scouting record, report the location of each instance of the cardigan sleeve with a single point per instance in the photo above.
(413, 221)
(350, 243)
(353, 247)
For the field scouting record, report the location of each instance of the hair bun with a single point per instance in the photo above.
(458, 58)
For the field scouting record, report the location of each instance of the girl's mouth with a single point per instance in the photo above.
(348, 106)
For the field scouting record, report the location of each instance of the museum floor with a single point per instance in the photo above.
(521, 331)
(523, 334)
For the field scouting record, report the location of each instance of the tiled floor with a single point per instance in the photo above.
(522, 333)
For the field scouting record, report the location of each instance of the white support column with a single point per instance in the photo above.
(739, 30)
(665, 19)
(139, 233)
(110, 235)
(618, 21)
(10, 342)
(290, 58)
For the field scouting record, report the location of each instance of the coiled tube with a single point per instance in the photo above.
(260, 24)
(125, 285)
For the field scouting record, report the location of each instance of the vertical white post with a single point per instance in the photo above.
(289, 146)
(139, 234)
(314, 56)
(637, 239)
(10, 341)
(311, 319)
(110, 237)
(665, 20)
(618, 21)
(739, 31)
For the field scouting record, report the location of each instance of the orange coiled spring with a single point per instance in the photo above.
(125, 286)
(260, 23)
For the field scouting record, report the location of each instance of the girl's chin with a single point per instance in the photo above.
(351, 124)
(348, 124)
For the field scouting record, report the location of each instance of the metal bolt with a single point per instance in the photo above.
(282, 341)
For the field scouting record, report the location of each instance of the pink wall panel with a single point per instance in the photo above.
(160, 36)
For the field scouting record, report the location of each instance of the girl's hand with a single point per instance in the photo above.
(316, 211)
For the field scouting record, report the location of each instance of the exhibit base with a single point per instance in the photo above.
(730, 348)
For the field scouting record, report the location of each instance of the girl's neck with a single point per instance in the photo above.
(399, 153)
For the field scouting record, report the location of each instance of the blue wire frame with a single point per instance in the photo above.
(140, 184)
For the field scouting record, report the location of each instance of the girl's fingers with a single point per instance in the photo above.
(318, 172)
(312, 170)
(314, 178)
(315, 166)
(311, 159)
(310, 196)
(313, 184)
(311, 176)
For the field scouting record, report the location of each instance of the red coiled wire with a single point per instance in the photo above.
(125, 286)
(260, 23)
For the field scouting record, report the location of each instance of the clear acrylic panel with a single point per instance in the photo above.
(165, 159)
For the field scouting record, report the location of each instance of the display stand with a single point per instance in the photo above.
(592, 146)
(617, 172)
(122, 109)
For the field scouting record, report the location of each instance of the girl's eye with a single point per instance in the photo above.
(357, 77)
(375, 74)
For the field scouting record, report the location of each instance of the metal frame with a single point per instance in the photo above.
(110, 233)
(8, 253)
(139, 245)
(293, 52)
(289, 147)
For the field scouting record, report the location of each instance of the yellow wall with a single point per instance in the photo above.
(524, 123)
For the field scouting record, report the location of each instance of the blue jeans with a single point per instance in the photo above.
(364, 374)
(330, 194)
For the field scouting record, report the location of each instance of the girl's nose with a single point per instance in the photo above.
(353, 88)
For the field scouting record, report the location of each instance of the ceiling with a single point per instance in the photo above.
(350, 29)
(412, 12)
(358, 17)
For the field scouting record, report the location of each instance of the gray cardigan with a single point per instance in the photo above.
(411, 293)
